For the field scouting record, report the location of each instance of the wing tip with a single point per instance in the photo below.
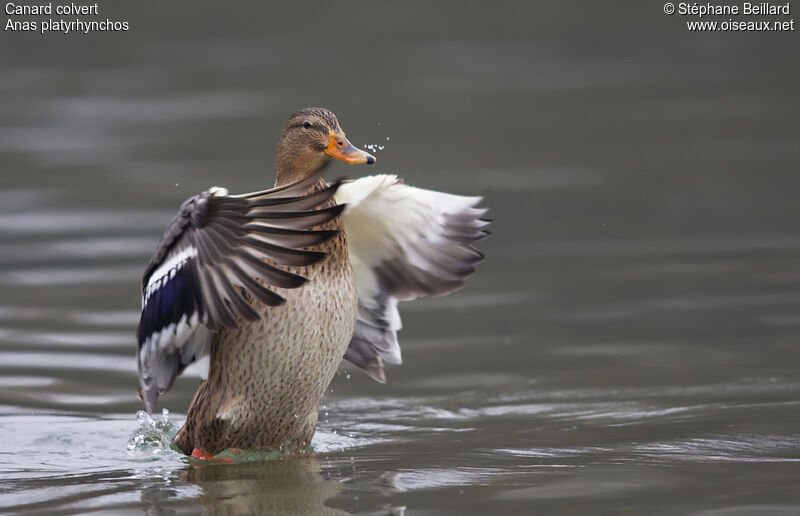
(149, 397)
(375, 370)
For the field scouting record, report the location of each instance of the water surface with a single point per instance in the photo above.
(630, 345)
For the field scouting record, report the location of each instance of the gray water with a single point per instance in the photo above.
(629, 346)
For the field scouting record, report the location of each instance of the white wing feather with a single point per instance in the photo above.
(404, 242)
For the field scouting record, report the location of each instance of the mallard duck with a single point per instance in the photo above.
(269, 290)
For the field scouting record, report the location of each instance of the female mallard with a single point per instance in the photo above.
(271, 289)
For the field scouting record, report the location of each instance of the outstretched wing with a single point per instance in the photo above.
(404, 243)
(217, 255)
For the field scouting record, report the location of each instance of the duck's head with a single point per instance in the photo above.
(312, 137)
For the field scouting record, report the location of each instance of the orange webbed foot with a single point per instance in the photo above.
(197, 453)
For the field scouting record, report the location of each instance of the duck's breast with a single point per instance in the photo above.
(273, 372)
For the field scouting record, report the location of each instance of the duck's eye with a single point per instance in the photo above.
(306, 124)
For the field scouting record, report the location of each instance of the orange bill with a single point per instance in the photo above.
(340, 148)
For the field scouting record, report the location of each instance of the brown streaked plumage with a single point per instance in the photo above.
(267, 376)
(267, 287)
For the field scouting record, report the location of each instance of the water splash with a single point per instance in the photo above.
(374, 147)
(153, 436)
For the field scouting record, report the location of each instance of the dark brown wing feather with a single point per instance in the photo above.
(219, 255)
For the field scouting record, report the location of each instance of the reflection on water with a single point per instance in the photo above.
(268, 487)
(631, 335)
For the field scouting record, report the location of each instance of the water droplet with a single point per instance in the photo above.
(373, 147)
(151, 436)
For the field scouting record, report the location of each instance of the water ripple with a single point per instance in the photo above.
(49, 277)
(57, 223)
